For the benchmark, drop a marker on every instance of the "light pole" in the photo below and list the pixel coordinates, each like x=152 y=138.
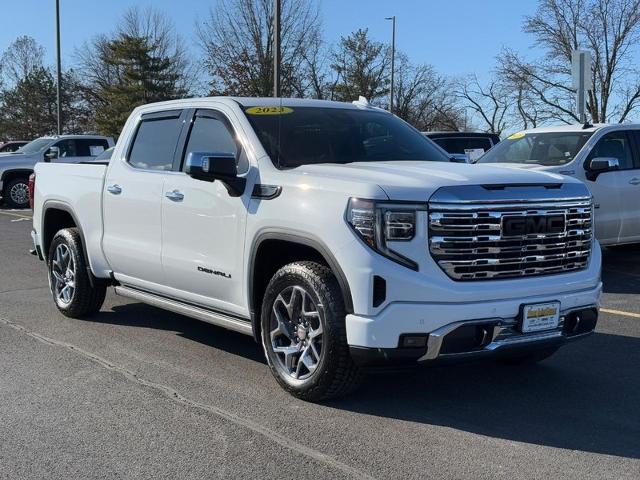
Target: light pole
x=277 y=53
x=59 y=73
x=393 y=58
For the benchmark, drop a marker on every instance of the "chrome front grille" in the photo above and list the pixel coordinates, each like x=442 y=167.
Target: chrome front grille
x=469 y=242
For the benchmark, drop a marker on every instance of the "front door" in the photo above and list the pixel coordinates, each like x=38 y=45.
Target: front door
x=607 y=188
x=203 y=226
x=630 y=195
x=133 y=200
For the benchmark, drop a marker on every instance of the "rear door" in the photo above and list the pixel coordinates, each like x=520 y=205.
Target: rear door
x=203 y=226
x=133 y=199
x=610 y=189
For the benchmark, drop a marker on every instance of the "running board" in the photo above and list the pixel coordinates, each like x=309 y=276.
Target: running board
x=199 y=313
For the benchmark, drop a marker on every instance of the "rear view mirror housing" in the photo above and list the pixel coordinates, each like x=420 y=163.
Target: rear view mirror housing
x=599 y=165
x=212 y=166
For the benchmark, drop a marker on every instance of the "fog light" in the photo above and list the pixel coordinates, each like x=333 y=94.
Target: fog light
x=413 y=341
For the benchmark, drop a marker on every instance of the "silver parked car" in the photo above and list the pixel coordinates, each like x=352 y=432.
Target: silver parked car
x=16 y=167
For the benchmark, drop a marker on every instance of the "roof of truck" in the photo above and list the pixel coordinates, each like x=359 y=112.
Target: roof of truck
x=268 y=101
x=579 y=128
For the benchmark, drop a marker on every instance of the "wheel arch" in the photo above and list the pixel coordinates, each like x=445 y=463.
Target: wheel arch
x=57 y=215
x=298 y=246
x=10 y=174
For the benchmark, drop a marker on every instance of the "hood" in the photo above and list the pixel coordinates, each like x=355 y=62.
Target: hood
x=417 y=181
x=17 y=160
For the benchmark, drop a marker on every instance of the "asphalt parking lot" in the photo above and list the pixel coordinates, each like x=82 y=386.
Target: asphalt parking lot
x=137 y=392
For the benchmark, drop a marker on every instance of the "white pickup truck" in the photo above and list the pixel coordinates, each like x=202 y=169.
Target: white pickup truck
x=336 y=234
x=605 y=157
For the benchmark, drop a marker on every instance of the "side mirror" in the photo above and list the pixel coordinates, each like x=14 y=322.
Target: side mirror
x=209 y=167
x=600 y=165
x=51 y=154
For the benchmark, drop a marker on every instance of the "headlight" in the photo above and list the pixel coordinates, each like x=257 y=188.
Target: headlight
x=377 y=223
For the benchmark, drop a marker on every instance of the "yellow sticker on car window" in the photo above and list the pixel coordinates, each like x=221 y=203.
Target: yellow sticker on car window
x=268 y=110
x=516 y=136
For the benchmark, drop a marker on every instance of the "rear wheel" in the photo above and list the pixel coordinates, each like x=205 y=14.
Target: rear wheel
x=73 y=292
x=529 y=358
x=304 y=335
x=16 y=193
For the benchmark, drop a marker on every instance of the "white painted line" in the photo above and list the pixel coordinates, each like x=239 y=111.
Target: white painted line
x=10 y=214
x=620 y=312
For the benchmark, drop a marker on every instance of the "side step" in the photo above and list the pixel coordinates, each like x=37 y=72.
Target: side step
x=199 y=313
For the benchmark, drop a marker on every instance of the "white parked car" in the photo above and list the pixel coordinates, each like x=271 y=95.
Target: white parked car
x=605 y=157
x=336 y=234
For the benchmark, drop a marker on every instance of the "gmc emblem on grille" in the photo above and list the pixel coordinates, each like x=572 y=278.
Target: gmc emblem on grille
x=517 y=226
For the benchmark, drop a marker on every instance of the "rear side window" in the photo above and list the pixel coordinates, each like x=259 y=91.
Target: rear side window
x=155 y=143
x=459 y=145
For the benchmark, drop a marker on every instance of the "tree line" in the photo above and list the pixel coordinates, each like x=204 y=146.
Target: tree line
x=145 y=60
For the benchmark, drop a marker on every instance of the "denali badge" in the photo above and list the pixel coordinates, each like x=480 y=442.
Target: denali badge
x=214 y=272
x=517 y=226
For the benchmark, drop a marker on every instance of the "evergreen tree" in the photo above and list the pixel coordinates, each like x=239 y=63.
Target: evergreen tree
x=139 y=76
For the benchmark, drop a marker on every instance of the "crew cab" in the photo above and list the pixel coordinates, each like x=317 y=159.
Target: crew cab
x=605 y=157
x=16 y=167
x=335 y=234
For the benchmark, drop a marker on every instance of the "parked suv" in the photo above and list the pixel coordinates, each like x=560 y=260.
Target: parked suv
x=605 y=157
x=464 y=147
x=335 y=234
x=16 y=167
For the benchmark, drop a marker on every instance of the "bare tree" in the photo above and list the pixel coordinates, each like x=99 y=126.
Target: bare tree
x=236 y=38
x=610 y=29
x=492 y=104
x=423 y=98
x=22 y=57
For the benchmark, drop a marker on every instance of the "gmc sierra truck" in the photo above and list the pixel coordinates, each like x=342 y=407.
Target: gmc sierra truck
x=605 y=157
x=335 y=234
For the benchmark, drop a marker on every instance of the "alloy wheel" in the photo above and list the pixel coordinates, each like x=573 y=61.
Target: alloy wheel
x=63 y=273
x=296 y=333
x=19 y=193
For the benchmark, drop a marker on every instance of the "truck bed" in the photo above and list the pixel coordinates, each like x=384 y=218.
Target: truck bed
x=77 y=189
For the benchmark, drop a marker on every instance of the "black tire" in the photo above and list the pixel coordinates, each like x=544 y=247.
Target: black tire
x=335 y=374
x=14 y=193
x=84 y=299
x=528 y=358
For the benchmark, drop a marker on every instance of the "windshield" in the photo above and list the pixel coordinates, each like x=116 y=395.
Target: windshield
x=309 y=135
x=35 y=146
x=549 y=149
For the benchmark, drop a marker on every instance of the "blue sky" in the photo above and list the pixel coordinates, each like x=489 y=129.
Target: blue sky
x=456 y=36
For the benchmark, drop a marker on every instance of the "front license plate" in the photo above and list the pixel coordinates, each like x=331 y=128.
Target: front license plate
x=540 y=316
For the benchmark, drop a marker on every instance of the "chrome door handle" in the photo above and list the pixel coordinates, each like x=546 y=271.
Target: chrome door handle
x=175 y=195
x=635 y=181
x=115 y=189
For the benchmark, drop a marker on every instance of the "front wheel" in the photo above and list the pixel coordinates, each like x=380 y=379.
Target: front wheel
x=16 y=193
x=304 y=334
x=73 y=292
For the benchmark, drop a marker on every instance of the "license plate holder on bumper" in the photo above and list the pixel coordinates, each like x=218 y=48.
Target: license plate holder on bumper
x=539 y=317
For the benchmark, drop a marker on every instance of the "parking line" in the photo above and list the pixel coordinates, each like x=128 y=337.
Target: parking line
x=15 y=215
x=620 y=312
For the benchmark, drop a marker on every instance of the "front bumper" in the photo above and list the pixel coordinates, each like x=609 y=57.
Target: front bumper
x=475 y=339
